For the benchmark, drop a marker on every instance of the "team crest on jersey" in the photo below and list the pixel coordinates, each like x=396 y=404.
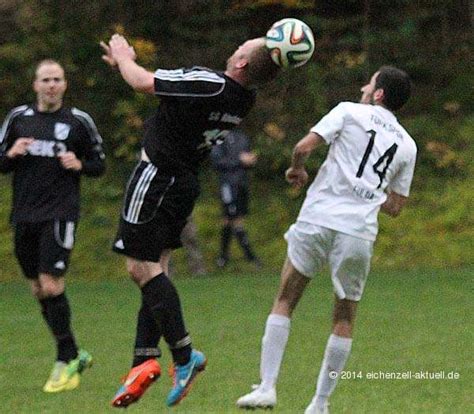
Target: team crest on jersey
x=61 y=131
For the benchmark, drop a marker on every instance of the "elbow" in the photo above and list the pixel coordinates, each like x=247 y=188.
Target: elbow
x=143 y=87
x=94 y=171
x=6 y=165
x=144 y=83
x=100 y=171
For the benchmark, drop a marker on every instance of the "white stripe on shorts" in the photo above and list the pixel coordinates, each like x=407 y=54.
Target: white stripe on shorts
x=68 y=242
x=69 y=235
x=139 y=193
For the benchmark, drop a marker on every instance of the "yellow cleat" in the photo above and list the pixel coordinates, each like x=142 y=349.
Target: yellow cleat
x=61 y=379
x=66 y=376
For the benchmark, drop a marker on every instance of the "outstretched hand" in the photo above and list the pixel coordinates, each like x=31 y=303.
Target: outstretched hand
x=117 y=49
x=107 y=57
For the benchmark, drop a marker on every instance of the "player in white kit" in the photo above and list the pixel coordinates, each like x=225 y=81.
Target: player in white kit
x=369 y=167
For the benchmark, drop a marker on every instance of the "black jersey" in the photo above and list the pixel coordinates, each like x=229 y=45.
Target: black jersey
x=42 y=188
x=197 y=110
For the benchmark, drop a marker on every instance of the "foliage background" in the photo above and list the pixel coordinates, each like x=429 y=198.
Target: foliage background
x=432 y=40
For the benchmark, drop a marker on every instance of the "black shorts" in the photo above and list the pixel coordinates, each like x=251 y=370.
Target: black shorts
x=155 y=211
x=235 y=200
x=44 y=247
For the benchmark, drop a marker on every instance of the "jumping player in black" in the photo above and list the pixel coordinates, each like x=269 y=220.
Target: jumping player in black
x=198 y=107
x=48 y=147
x=231 y=160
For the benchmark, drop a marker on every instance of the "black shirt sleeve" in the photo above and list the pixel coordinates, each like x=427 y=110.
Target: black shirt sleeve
x=194 y=82
x=92 y=155
x=7 y=139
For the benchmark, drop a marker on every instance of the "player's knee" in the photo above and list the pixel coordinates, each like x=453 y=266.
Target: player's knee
x=136 y=271
x=51 y=288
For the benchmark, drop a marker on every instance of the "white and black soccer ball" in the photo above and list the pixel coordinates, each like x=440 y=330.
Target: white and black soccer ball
x=291 y=43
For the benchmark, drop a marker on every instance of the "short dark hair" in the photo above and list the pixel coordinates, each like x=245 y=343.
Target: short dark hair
x=47 y=62
x=261 y=67
x=396 y=86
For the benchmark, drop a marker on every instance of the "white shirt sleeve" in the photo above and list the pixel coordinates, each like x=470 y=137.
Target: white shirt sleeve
x=330 y=126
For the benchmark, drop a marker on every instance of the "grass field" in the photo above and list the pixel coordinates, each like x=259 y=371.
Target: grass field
x=408 y=322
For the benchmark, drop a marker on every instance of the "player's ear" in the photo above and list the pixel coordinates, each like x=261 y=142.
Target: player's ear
x=242 y=63
x=379 y=95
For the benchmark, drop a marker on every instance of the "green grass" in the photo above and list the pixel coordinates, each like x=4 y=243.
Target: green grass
x=408 y=321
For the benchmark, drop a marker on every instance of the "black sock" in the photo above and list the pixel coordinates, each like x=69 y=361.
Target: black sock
x=163 y=301
x=57 y=314
x=241 y=236
x=226 y=236
x=147 y=337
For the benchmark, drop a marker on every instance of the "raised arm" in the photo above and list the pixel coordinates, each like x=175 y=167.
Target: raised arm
x=296 y=175
x=119 y=53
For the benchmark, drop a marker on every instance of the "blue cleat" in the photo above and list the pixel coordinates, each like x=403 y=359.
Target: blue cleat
x=183 y=377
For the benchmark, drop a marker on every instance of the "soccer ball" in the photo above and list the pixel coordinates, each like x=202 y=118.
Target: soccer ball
x=291 y=43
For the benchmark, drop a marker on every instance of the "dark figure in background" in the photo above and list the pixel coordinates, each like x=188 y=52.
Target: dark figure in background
x=231 y=160
x=47 y=147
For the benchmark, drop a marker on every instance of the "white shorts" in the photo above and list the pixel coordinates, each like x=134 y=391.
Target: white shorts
x=310 y=247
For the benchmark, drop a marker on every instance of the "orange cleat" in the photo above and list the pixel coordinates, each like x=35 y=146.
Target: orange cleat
x=137 y=382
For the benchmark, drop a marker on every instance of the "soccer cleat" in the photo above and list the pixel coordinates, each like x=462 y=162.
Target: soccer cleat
x=137 y=382
x=314 y=408
x=59 y=379
x=66 y=376
x=84 y=360
x=258 y=398
x=183 y=377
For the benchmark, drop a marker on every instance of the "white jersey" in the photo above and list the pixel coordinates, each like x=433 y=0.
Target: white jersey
x=370 y=152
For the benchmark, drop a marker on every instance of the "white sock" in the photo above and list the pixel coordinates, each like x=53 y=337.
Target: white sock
x=337 y=352
x=274 y=342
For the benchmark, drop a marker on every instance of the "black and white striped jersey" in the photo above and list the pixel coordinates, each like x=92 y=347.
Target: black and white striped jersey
x=198 y=107
x=42 y=188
